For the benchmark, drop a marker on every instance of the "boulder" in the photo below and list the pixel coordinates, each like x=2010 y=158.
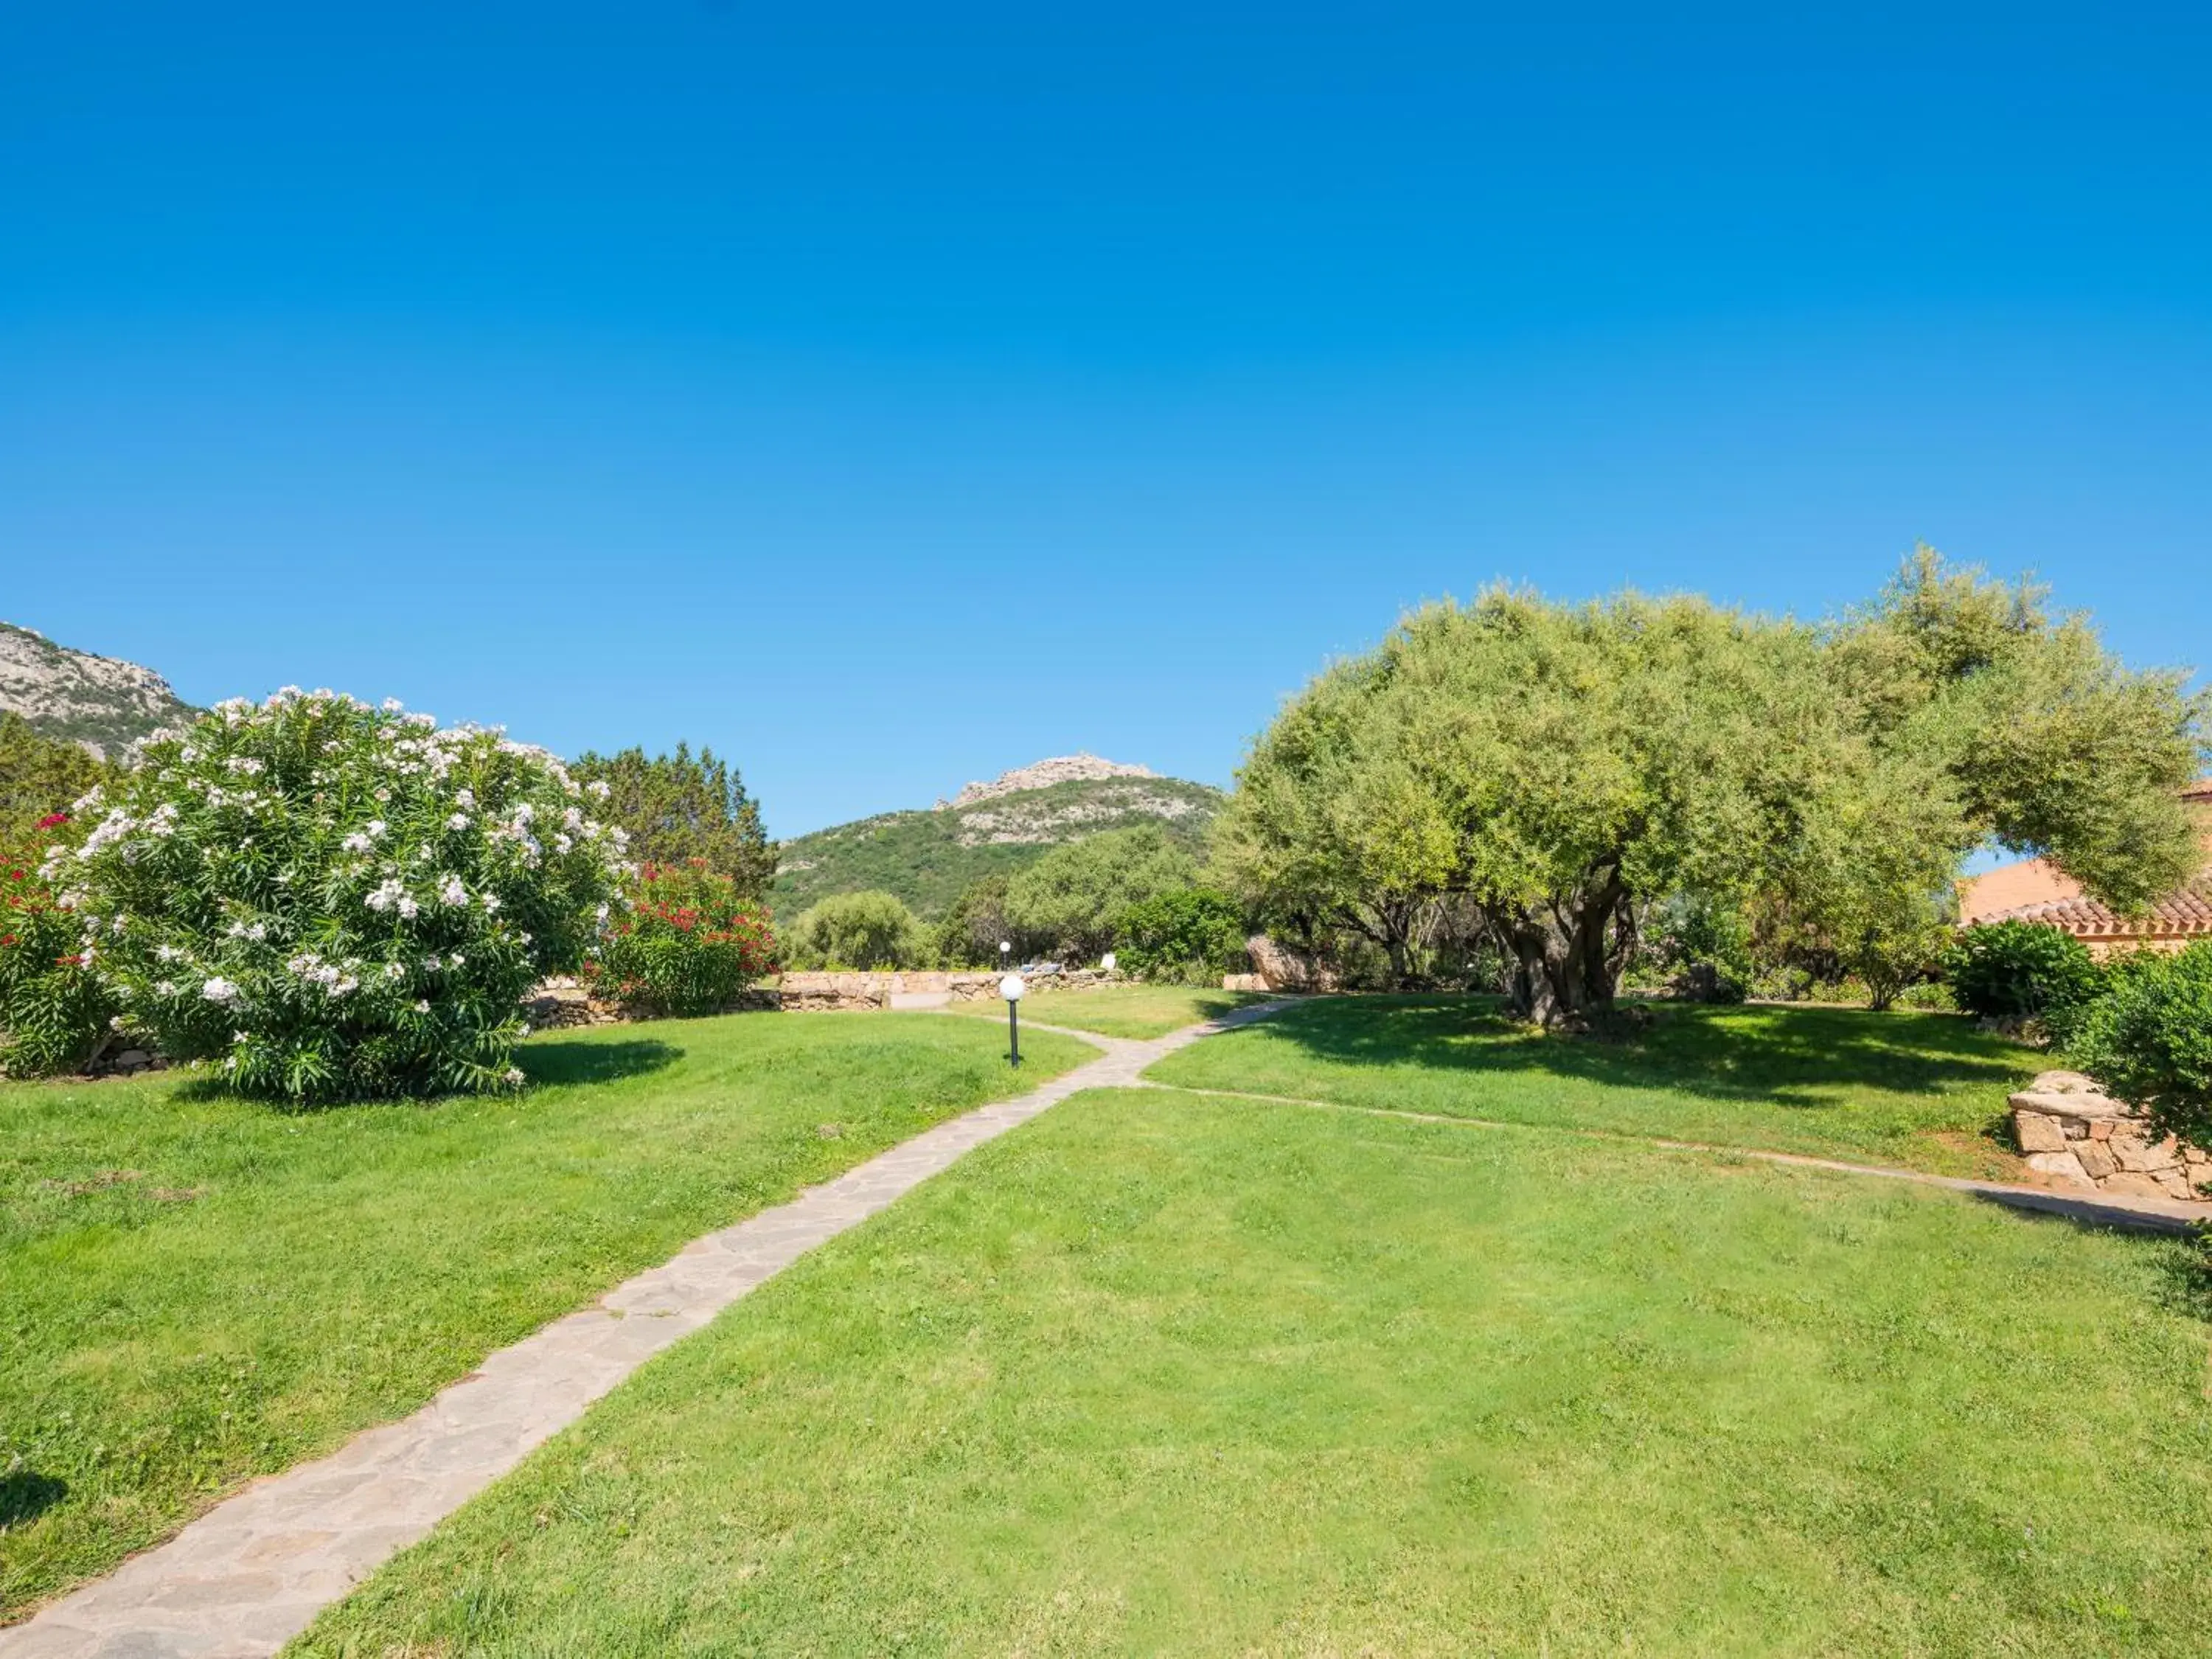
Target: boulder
x=2037 y=1133
x=2062 y=1167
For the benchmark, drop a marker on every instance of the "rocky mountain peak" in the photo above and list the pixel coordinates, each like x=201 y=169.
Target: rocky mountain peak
x=1042 y=774
x=102 y=702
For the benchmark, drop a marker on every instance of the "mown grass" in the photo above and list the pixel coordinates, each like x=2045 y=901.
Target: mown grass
x=1119 y=1011
x=1168 y=1373
x=195 y=1290
x=1920 y=1091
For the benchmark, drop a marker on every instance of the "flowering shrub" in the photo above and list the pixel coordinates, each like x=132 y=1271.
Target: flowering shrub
x=53 y=1010
x=687 y=943
x=337 y=900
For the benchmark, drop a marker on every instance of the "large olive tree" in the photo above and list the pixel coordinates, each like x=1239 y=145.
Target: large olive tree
x=1560 y=767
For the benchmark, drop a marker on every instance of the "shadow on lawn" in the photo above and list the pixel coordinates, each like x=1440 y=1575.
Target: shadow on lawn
x=25 y=1494
x=595 y=1062
x=1788 y=1056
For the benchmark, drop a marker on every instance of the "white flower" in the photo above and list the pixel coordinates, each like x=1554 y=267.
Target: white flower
x=572 y=818
x=377 y=826
x=459 y=821
x=466 y=798
x=513 y=1075
x=219 y=989
x=432 y=964
x=490 y=901
x=168 y=988
x=598 y=789
x=422 y=1006
x=455 y=960
x=356 y=842
x=384 y=794
x=389 y=892
x=393 y=970
x=454 y=892
x=392 y=705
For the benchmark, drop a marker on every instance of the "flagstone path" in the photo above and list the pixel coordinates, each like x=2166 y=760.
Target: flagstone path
x=253 y=1571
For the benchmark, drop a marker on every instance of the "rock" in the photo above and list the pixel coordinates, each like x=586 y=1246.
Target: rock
x=2131 y=1186
x=2096 y=1159
x=133 y=1057
x=2135 y=1153
x=2065 y=1083
x=1281 y=968
x=2060 y=1166
x=1244 y=983
x=2037 y=1133
x=2177 y=1184
x=2100 y=1130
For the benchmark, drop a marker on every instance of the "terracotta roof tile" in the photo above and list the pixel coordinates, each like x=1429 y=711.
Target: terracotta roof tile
x=2188 y=912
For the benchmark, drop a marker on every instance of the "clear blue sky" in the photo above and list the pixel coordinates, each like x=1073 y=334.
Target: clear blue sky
x=888 y=396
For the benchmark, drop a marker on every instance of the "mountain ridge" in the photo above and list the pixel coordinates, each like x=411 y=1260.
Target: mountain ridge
x=927 y=856
x=105 y=703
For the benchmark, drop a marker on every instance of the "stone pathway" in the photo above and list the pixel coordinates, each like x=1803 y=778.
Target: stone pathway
x=2161 y=1215
x=253 y=1571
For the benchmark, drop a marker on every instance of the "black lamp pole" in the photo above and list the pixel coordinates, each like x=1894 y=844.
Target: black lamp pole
x=1014 y=1027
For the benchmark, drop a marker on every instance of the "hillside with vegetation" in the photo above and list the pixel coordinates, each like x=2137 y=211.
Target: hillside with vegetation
x=102 y=702
x=929 y=857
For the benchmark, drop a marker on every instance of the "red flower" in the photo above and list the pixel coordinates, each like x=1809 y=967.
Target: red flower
x=9 y=938
x=53 y=820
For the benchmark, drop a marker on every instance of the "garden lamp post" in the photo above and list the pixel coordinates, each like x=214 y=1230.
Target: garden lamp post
x=1011 y=988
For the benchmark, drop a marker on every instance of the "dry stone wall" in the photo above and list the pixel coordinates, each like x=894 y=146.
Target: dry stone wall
x=2074 y=1134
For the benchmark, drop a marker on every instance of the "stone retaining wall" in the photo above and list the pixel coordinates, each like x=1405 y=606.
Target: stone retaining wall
x=565 y=1002
x=2074 y=1134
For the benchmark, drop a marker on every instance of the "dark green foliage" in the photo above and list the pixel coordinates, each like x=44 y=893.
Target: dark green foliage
x=39 y=776
x=2148 y=1041
x=929 y=859
x=856 y=930
x=678 y=808
x=688 y=942
x=54 y=1011
x=968 y=934
x=1192 y=934
x=2021 y=970
x=1071 y=900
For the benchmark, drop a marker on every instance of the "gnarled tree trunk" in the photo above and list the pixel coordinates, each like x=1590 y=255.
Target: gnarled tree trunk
x=1568 y=951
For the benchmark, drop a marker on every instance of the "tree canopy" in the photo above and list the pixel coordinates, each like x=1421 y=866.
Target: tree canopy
x=678 y=808
x=1563 y=766
x=39 y=776
x=1072 y=899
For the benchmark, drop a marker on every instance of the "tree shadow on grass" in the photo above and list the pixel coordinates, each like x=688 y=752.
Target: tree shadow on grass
x=25 y=1494
x=545 y=1064
x=550 y=1063
x=1787 y=1056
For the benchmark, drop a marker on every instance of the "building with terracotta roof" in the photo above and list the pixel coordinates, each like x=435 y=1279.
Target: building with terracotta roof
x=2035 y=890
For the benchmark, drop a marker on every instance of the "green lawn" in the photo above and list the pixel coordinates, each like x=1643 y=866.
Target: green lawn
x=1923 y=1090
x=1120 y=1011
x=1168 y=1373
x=195 y=1290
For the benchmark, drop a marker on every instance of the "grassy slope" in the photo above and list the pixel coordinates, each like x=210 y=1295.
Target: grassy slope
x=338 y=1269
x=1925 y=1091
x=918 y=855
x=1163 y=1373
x=1119 y=1011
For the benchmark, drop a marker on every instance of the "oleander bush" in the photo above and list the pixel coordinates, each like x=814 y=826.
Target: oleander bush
x=54 y=1010
x=2021 y=970
x=688 y=942
x=2149 y=1040
x=338 y=902
x=1194 y=934
x=865 y=930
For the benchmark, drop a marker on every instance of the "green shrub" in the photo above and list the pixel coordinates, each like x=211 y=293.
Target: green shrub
x=687 y=944
x=1072 y=900
x=339 y=902
x=864 y=930
x=2021 y=970
x=1704 y=946
x=1194 y=934
x=54 y=1010
x=2148 y=1041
